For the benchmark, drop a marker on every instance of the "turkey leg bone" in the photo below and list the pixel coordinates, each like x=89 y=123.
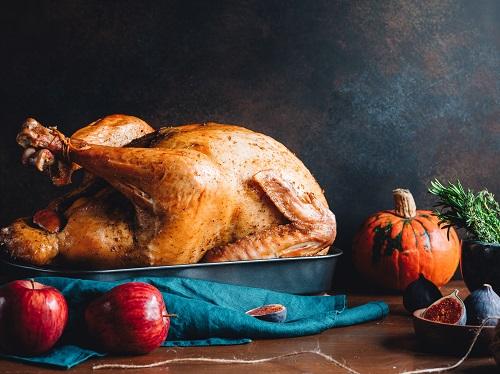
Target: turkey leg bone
x=41 y=143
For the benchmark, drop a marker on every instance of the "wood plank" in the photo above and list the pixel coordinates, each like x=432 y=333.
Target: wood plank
x=387 y=346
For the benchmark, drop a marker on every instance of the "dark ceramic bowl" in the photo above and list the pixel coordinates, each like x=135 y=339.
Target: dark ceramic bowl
x=451 y=339
x=480 y=264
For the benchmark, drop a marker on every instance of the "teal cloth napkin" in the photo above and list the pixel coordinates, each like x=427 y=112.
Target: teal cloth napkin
x=208 y=313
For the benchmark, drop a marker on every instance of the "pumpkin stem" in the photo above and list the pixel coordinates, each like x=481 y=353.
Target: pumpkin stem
x=404 y=203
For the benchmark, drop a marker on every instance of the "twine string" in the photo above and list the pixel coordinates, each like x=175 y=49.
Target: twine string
x=225 y=361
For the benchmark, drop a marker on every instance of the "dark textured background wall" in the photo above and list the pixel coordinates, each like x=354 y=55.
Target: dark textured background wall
x=371 y=95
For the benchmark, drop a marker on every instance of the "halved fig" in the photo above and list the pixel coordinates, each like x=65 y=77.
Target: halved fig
x=269 y=313
x=449 y=309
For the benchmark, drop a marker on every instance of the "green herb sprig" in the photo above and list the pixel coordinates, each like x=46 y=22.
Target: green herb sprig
x=478 y=213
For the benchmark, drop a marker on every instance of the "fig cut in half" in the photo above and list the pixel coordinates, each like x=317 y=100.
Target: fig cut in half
x=269 y=313
x=449 y=309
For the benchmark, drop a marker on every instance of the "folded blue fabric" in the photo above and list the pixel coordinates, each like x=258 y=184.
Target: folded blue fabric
x=208 y=313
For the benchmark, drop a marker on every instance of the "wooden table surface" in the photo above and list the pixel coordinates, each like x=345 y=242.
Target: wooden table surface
x=386 y=346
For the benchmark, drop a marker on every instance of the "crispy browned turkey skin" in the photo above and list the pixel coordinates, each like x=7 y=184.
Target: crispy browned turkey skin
x=176 y=195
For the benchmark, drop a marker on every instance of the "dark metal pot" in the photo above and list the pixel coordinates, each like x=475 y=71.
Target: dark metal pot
x=480 y=264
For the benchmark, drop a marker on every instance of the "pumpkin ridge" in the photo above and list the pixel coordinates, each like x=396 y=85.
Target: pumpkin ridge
x=397 y=266
x=415 y=234
x=417 y=252
x=397 y=261
x=427 y=245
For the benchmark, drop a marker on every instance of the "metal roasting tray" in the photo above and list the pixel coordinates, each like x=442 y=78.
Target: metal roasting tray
x=298 y=275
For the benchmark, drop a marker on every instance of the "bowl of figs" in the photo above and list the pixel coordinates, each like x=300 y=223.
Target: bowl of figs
x=447 y=324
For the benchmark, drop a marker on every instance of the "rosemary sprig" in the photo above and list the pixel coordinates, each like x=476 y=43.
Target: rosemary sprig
x=478 y=213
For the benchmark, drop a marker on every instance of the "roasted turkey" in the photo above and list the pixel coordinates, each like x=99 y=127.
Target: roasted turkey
x=177 y=195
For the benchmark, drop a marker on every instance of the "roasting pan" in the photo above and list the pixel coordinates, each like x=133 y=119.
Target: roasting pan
x=298 y=275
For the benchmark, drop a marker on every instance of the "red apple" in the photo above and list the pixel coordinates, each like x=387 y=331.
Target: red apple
x=128 y=319
x=32 y=317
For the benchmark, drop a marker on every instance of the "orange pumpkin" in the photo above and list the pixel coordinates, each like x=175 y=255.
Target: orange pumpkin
x=393 y=247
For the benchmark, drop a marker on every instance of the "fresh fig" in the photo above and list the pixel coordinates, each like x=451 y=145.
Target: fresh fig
x=481 y=304
x=420 y=294
x=449 y=309
x=269 y=313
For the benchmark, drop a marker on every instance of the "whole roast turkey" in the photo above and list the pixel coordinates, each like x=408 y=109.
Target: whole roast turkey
x=177 y=195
